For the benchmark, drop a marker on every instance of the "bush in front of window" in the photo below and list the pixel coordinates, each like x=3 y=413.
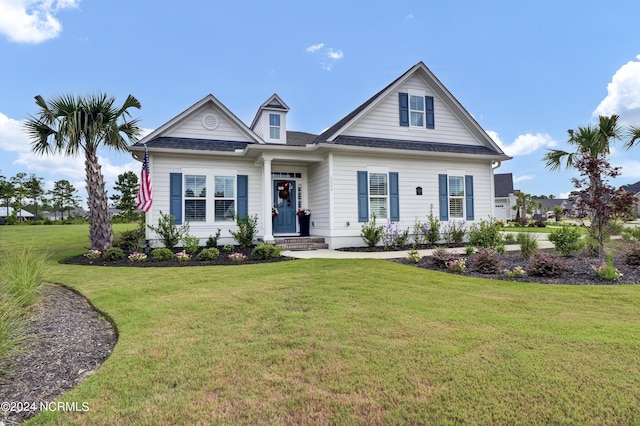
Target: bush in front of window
x=485 y=233
x=190 y=243
x=207 y=254
x=161 y=254
x=169 y=233
x=246 y=232
x=264 y=251
x=371 y=233
x=212 y=241
x=393 y=238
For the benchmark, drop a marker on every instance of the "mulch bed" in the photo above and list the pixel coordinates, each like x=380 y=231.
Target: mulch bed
x=68 y=341
x=223 y=259
x=581 y=270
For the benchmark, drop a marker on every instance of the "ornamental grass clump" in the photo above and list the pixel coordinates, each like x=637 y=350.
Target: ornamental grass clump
x=607 y=271
x=528 y=244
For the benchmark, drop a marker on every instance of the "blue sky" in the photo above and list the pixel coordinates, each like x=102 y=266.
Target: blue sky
x=527 y=71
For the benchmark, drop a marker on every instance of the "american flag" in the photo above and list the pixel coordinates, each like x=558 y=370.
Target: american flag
x=144 y=199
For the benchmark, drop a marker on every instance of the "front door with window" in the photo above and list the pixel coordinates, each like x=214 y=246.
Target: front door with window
x=284 y=200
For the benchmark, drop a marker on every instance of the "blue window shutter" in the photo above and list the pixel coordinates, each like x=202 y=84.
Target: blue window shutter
x=394 y=197
x=443 y=192
x=363 y=197
x=243 y=195
x=175 y=196
x=468 y=187
x=404 y=109
x=428 y=104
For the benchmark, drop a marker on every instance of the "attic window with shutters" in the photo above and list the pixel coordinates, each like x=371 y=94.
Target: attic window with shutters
x=416 y=110
x=210 y=122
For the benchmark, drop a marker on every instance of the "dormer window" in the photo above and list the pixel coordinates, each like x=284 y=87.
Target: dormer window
x=416 y=111
x=274 y=126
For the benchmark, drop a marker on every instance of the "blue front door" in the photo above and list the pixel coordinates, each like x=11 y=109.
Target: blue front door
x=284 y=200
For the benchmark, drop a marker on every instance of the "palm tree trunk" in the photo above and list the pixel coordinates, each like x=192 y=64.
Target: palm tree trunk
x=100 y=230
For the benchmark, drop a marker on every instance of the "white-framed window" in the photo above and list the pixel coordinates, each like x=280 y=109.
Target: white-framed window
x=456 y=197
x=224 y=198
x=195 y=198
x=274 y=126
x=416 y=111
x=379 y=194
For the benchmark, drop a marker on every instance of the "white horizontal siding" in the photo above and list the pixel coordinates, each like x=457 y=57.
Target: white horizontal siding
x=318 y=196
x=412 y=172
x=192 y=127
x=161 y=166
x=383 y=121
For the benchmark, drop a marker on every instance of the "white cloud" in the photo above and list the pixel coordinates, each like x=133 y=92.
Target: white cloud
x=523 y=178
x=329 y=55
x=32 y=21
x=524 y=144
x=409 y=17
x=623 y=94
x=12 y=137
x=315 y=47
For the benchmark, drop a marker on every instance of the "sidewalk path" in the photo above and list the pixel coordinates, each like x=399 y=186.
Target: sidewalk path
x=543 y=243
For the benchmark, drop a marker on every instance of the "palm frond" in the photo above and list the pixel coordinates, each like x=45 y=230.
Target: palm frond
x=634 y=135
x=553 y=159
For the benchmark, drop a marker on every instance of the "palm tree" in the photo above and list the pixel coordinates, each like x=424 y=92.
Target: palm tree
x=590 y=140
x=69 y=125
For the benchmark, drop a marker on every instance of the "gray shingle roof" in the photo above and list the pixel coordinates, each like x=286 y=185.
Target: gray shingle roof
x=634 y=187
x=503 y=183
x=196 y=144
x=414 y=145
x=300 y=138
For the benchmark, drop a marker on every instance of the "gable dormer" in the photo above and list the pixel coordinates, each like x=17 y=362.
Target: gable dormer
x=270 y=122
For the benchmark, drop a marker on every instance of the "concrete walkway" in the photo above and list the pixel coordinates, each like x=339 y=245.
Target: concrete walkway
x=543 y=243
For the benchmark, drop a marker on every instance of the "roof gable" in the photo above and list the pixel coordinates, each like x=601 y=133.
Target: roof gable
x=274 y=103
x=207 y=119
x=418 y=74
x=503 y=183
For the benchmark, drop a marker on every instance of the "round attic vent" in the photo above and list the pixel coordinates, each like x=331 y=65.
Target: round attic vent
x=209 y=121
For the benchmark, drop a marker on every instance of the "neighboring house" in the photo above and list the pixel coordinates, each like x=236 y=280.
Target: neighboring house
x=505 y=199
x=635 y=189
x=549 y=204
x=20 y=214
x=409 y=148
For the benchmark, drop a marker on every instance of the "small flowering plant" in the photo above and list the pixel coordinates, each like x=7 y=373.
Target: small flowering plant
x=274 y=212
x=237 y=257
x=517 y=272
x=303 y=212
x=183 y=256
x=457 y=265
x=93 y=254
x=607 y=271
x=413 y=256
x=137 y=256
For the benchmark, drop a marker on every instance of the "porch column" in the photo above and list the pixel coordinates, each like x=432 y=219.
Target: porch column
x=268 y=201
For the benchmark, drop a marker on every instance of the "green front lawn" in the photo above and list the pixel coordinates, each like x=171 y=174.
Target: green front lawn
x=348 y=342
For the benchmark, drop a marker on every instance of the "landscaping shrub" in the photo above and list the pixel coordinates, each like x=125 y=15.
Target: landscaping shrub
x=543 y=264
x=441 y=257
x=485 y=233
x=413 y=256
x=632 y=254
x=457 y=265
x=420 y=231
x=113 y=254
x=433 y=234
x=246 y=232
x=212 y=241
x=168 y=231
x=486 y=261
x=631 y=234
x=607 y=271
x=161 y=254
x=567 y=240
x=130 y=240
x=517 y=272
x=190 y=243
x=509 y=238
x=393 y=238
x=454 y=232
x=371 y=233
x=264 y=251
x=209 y=253
x=528 y=244
x=228 y=248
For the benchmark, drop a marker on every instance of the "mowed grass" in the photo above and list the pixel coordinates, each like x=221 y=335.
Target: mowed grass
x=350 y=342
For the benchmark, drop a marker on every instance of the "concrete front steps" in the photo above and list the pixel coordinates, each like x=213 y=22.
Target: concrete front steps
x=301 y=243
